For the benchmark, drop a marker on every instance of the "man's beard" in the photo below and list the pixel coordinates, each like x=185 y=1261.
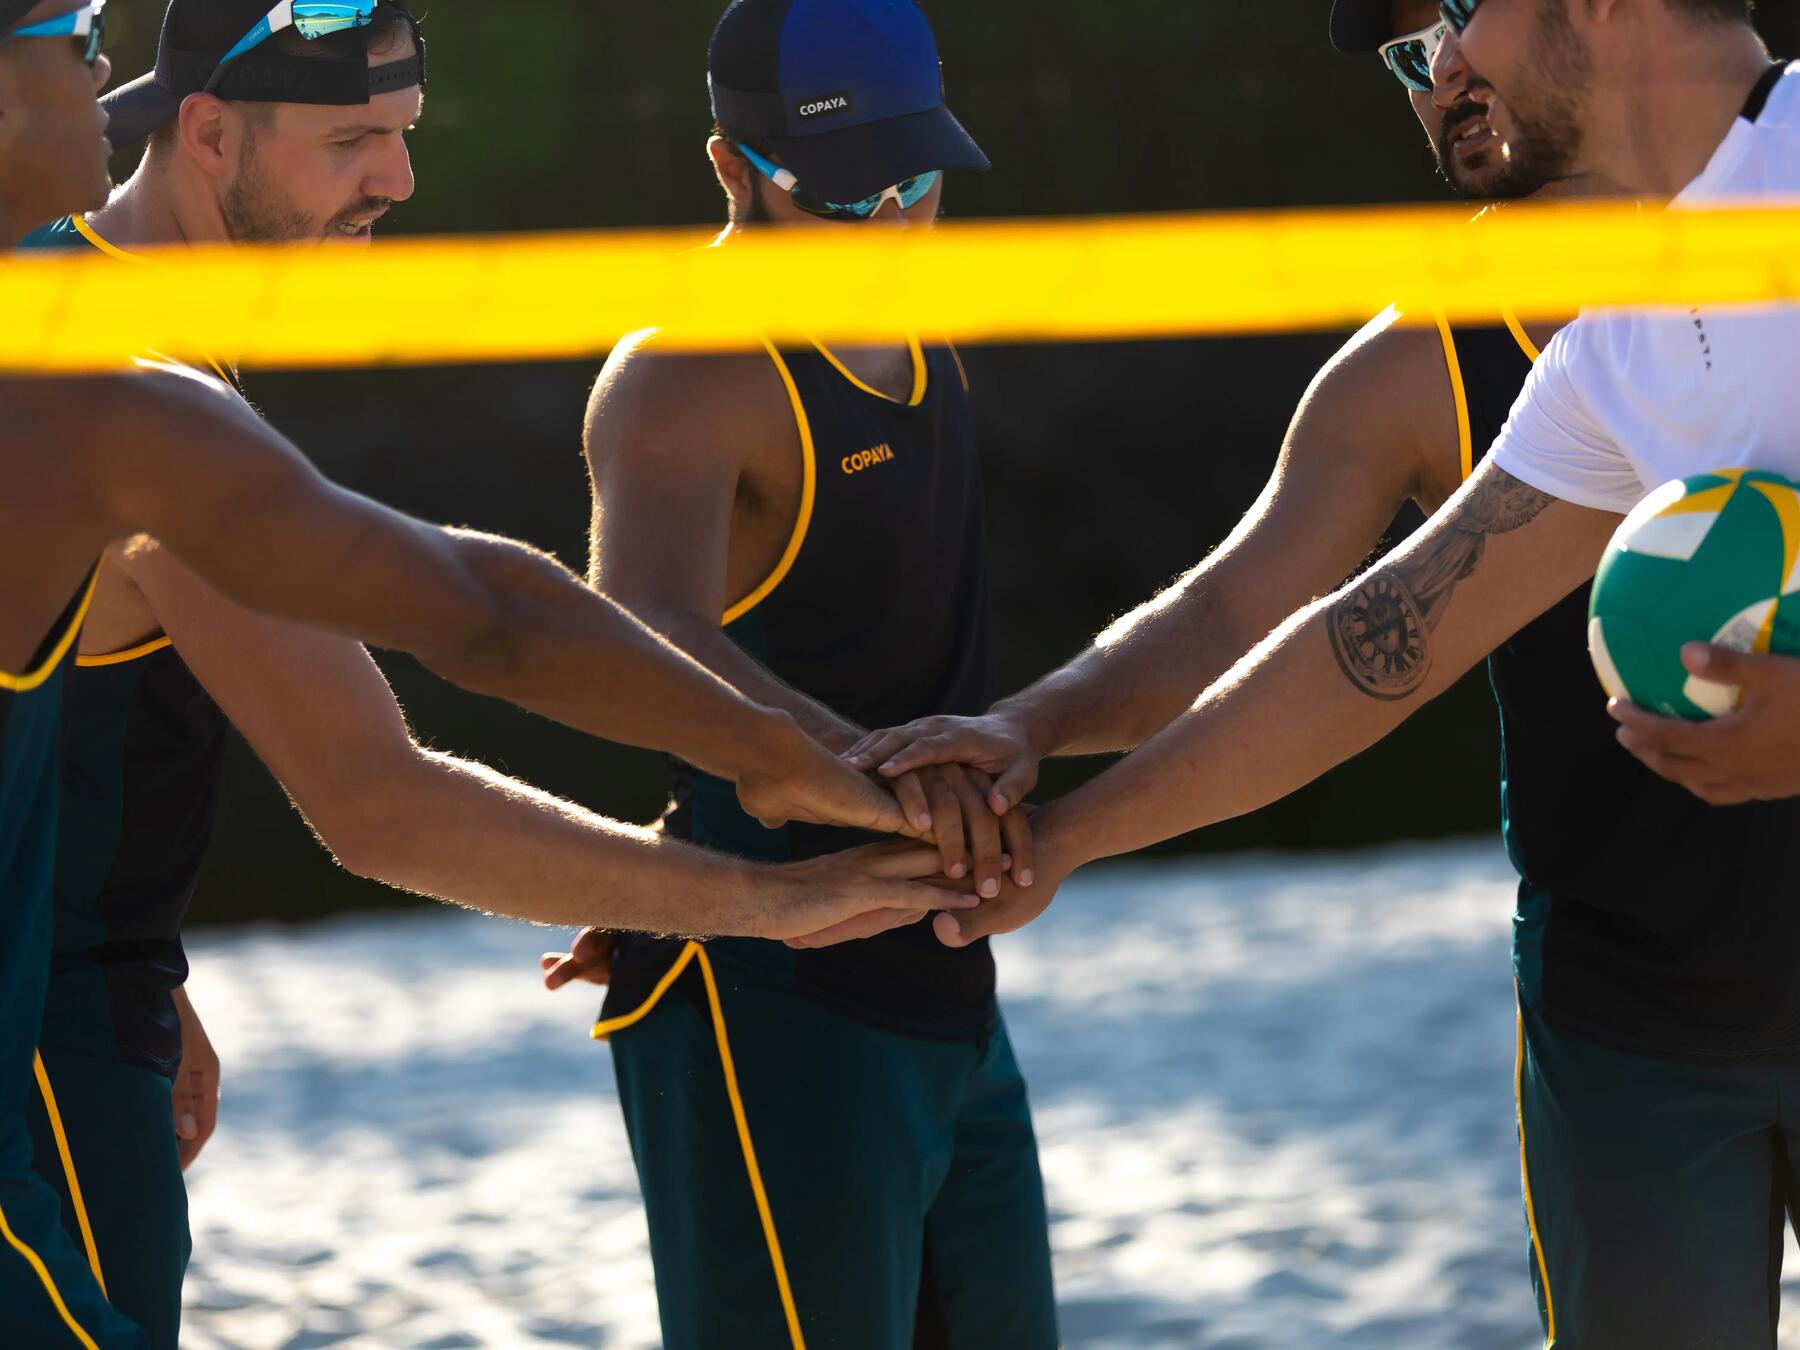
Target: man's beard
x=1549 y=115
x=257 y=211
x=1514 y=177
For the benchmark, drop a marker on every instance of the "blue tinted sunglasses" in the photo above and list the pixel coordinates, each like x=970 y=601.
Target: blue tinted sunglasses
x=86 y=25
x=1410 y=57
x=908 y=192
x=1458 y=13
x=311 y=18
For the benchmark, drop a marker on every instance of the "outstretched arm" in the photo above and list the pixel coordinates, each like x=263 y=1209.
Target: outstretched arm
x=177 y=457
x=1377 y=426
x=318 y=712
x=1331 y=681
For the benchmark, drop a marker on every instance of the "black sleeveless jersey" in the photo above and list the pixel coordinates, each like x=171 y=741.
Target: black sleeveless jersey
x=30 y=732
x=142 y=750
x=143 y=746
x=1647 y=919
x=878 y=609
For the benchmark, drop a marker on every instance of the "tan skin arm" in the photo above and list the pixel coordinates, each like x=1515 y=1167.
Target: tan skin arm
x=682 y=451
x=1328 y=683
x=180 y=458
x=319 y=713
x=1371 y=433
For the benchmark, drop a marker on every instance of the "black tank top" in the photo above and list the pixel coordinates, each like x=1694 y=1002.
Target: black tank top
x=1647 y=919
x=879 y=609
x=143 y=746
x=30 y=741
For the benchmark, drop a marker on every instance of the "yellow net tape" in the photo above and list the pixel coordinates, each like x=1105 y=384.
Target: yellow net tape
x=422 y=301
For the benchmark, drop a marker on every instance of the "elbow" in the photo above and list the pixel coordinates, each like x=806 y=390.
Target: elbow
x=361 y=841
x=364 y=827
x=507 y=587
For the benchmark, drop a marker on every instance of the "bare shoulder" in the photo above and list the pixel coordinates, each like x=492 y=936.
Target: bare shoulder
x=101 y=412
x=1384 y=402
x=651 y=399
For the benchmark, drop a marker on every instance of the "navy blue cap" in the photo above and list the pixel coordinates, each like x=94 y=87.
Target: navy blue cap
x=847 y=93
x=13 y=12
x=1360 y=27
x=197 y=33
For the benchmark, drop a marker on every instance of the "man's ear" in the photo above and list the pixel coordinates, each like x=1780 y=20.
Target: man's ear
x=210 y=132
x=734 y=173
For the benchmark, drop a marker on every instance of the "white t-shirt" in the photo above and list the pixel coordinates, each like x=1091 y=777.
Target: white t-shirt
x=1623 y=401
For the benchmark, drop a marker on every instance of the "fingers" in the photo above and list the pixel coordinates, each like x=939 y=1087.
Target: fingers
x=1014 y=909
x=875 y=747
x=949 y=930
x=886 y=814
x=924 y=752
x=187 y=1132
x=593 y=944
x=910 y=793
x=1015 y=836
x=195 y=1100
x=902 y=862
x=862 y=926
x=1013 y=786
x=1670 y=735
x=561 y=968
x=1721 y=664
x=946 y=823
x=982 y=827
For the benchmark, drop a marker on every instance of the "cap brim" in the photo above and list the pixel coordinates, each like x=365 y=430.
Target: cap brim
x=857 y=162
x=135 y=110
x=1359 y=27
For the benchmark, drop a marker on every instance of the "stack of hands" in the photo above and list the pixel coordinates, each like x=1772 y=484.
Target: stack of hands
x=953 y=789
x=960 y=783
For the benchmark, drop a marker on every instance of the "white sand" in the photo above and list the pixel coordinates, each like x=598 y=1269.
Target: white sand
x=1274 y=1099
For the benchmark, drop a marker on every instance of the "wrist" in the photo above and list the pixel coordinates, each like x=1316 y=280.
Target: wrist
x=1032 y=721
x=1059 y=839
x=747 y=897
x=770 y=748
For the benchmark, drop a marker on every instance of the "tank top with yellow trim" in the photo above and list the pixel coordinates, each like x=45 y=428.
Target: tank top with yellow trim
x=1647 y=919
x=143 y=749
x=31 y=707
x=880 y=610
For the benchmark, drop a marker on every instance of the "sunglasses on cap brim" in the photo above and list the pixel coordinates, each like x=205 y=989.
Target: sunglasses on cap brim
x=312 y=19
x=86 y=25
x=907 y=193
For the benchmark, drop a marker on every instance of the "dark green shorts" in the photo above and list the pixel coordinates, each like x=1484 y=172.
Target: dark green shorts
x=813 y=1181
x=1655 y=1193
x=103 y=1138
x=49 y=1298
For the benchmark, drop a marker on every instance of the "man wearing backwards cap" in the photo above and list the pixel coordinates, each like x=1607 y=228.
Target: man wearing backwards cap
x=861 y=1170
x=88 y=461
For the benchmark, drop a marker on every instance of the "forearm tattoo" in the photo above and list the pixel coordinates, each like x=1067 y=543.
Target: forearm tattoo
x=1381 y=629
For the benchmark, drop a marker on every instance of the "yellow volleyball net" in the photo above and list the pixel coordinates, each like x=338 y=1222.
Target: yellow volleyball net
x=537 y=296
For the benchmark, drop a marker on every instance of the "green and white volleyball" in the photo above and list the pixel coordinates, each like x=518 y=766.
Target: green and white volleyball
x=1713 y=558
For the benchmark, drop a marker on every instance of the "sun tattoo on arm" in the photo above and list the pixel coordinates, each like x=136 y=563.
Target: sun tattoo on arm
x=1381 y=629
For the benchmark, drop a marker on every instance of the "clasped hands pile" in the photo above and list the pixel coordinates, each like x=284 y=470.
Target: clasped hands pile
x=956 y=783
